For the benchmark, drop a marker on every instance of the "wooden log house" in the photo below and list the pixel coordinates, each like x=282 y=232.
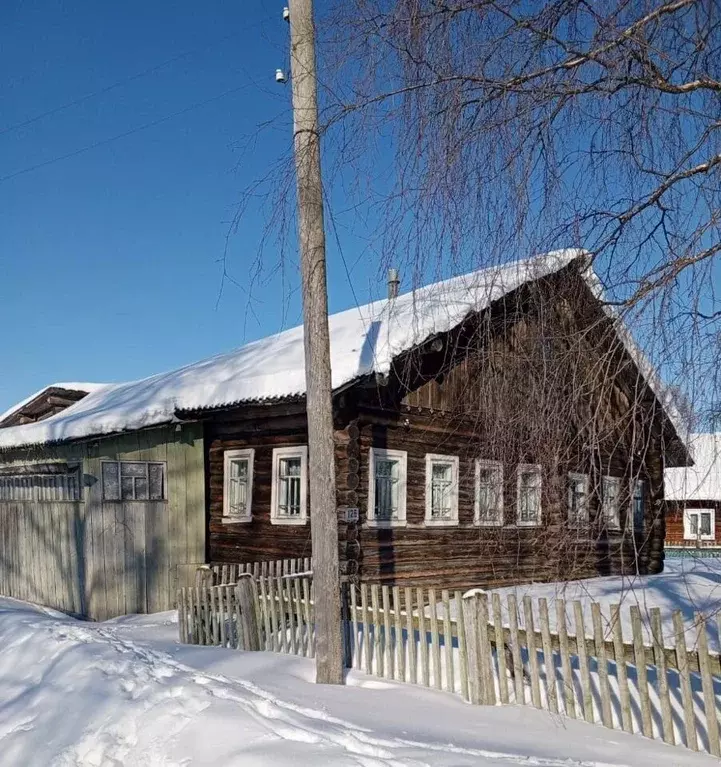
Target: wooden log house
x=495 y=428
x=693 y=499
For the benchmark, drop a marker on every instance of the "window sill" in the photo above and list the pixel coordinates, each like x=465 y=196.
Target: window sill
x=132 y=500
x=441 y=523
x=298 y=522
x=700 y=539
x=527 y=524
x=384 y=525
x=236 y=520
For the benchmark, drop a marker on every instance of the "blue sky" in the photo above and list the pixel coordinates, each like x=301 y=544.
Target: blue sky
x=109 y=260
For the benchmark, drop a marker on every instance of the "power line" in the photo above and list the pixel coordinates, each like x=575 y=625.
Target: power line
x=125 y=134
x=119 y=83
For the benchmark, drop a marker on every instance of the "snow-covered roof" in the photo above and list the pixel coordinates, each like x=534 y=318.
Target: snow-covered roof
x=364 y=340
x=702 y=481
x=71 y=386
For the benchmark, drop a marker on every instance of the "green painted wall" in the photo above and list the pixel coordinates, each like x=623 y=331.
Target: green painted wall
x=106 y=558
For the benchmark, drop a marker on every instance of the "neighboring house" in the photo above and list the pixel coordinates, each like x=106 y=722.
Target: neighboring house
x=47 y=402
x=495 y=428
x=693 y=497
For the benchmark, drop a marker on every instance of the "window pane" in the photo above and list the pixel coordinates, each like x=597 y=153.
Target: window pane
x=127 y=489
x=441 y=490
x=705 y=523
x=238 y=487
x=386 y=488
x=639 y=493
x=693 y=524
x=111 y=487
x=289 y=474
x=141 y=488
x=133 y=469
x=155 y=478
x=610 y=501
x=577 y=499
x=529 y=496
x=488 y=494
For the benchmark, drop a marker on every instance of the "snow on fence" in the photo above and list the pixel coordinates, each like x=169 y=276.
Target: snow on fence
x=629 y=672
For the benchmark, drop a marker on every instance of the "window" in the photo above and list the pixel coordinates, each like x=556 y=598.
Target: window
x=610 y=502
x=578 y=499
x=387 y=488
x=699 y=525
x=529 y=495
x=40 y=487
x=237 y=485
x=488 y=503
x=289 y=493
x=441 y=489
x=638 y=504
x=133 y=481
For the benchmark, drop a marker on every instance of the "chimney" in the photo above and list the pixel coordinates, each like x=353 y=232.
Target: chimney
x=393 y=283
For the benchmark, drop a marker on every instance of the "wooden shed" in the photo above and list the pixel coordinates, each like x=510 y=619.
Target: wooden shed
x=497 y=427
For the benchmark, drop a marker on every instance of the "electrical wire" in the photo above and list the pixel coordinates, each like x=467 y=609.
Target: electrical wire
x=124 y=134
x=124 y=81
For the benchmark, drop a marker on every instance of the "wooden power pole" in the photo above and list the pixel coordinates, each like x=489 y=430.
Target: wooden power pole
x=319 y=404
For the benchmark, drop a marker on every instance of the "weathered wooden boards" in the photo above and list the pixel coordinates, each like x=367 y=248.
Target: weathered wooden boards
x=99 y=558
x=622 y=682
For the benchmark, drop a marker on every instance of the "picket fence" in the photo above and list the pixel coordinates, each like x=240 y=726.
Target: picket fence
x=576 y=662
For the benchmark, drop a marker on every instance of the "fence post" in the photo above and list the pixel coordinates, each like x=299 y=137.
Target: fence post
x=709 y=698
x=247 y=597
x=685 y=678
x=471 y=621
x=345 y=616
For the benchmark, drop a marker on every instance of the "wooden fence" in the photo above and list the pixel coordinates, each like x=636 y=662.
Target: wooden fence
x=576 y=661
x=650 y=682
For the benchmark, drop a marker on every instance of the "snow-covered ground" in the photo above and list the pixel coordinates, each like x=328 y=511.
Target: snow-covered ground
x=691 y=585
x=125 y=693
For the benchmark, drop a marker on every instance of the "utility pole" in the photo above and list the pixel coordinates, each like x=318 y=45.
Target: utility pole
x=319 y=403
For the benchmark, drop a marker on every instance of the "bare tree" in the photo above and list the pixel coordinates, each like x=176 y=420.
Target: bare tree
x=466 y=133
x=478 y=130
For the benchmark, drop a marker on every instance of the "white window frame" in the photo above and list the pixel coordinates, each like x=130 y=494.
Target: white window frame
x=431 y=459
x=583 y=519
x=402 y=457
x=611 y=521
x=497 y=466
x=631 y=509
x=688 y=535
x=247 y=454
x=297 y=451
x=527 y=467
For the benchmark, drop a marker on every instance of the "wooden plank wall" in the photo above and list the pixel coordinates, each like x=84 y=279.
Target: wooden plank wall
x=101 y=559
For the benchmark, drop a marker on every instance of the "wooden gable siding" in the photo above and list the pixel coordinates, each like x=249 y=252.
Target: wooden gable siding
x=101 y=558
x=674 y=523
